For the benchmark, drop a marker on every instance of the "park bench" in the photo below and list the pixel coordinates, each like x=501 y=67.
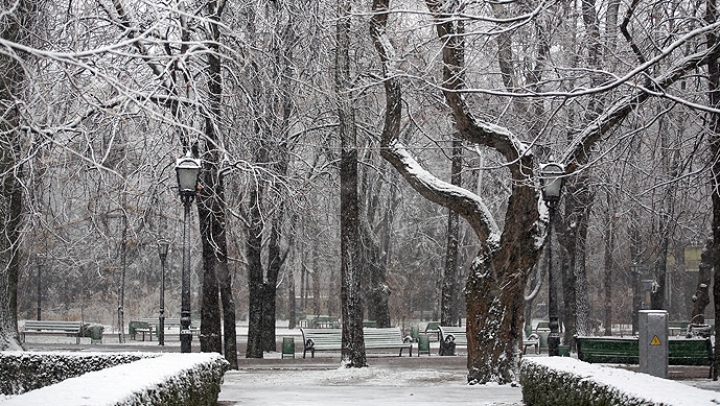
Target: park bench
x=449 y=335
x=170 y=322
x=67 y=328
x=431 y=329
x=458 y=335
x=625 y=350
x=386 y=338
x=533 y=340
x=327 y=339
x=140 y=327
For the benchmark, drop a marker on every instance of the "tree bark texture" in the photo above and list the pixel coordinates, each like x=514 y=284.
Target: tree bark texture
x=714 y=141
x=15 y=26
x=375 y=229
x=353 y=343
x=449 y=312
x=253 y=252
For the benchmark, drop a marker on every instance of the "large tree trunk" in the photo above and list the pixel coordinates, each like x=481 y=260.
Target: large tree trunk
x=353 y=343
x=211 y=207
x=270 y=286
x=714 y=140
x=449 y=312
x=255 y=275
x=11 y=192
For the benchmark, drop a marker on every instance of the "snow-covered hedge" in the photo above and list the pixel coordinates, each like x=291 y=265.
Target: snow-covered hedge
x=561 y=381
x=165 y=380
x=24 y=371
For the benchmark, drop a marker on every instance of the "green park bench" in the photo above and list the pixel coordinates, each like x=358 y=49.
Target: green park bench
x=431 y=329
x=140 y=327
x=66 y=328
x=625 y=350
x=327 y=339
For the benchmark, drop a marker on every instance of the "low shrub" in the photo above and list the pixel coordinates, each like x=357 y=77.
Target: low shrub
x=563 y=381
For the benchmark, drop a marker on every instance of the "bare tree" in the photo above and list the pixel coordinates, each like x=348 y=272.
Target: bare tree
x=494 y=290
x=353 y=343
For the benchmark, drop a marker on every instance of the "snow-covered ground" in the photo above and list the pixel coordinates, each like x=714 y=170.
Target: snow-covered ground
x=388 y=381
x=376 y=386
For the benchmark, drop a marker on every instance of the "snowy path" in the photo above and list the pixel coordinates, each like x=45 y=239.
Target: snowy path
x=377 y=386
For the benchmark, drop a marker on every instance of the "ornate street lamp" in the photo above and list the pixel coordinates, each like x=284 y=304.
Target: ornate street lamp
x=551 y=177
x=188 y=170
x=163 y=246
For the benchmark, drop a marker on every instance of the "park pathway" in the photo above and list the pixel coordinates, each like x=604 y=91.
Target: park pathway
x=390 y=380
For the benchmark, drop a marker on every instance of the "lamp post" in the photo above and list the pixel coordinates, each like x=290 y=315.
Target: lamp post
x=163 y=246
x=187 y=169
x=552 y=182
x=636 y=299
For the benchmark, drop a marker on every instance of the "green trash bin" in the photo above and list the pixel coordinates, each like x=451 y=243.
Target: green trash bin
x=288 y=347
x=96 y=334
x=423 y=344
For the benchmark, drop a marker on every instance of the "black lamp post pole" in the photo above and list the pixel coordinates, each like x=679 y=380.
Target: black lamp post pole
x=187 y=170
x=163 y=250
x=554 y=337
x=39 y=290
x=185 y=334
x=552 y=183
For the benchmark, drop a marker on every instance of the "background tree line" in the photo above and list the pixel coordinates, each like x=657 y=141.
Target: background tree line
x=100 y=97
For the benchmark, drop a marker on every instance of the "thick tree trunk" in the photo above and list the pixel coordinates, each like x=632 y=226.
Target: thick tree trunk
x=572 y=236
x=212 y=235
x=714 y=140
x=494 y=333
x=255 y=276
x=449 y=312
x=229 y=319
x=270 y=286
x=353 y=343
x=12 y=77
x=267 y=329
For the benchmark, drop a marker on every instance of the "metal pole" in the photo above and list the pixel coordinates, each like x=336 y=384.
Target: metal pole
x=636 y=299
x=161 y=326
x=39 y=290
x=554 y=337
x=185 y=335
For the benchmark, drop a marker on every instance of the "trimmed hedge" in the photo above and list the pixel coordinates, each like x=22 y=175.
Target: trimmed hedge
x=24 y=371
x=165 y=380
x=563 y=381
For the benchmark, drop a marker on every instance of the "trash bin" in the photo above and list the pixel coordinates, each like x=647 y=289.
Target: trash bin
x=96 y=334
x=288 y=347
x=423 y=343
